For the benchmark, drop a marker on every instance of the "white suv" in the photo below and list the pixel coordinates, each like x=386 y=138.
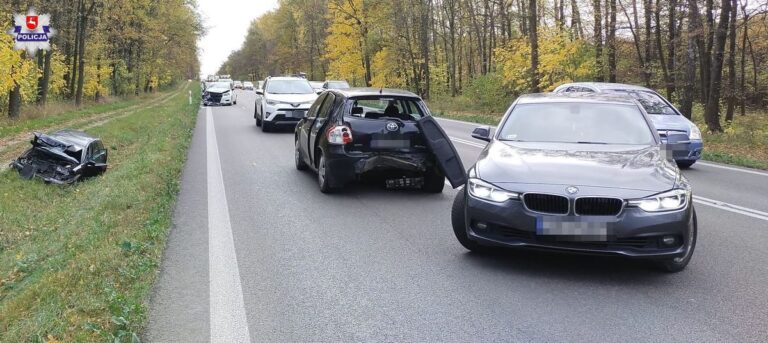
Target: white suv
x=282 y=101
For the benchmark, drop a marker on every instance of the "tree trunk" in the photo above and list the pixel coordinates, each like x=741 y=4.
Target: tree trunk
x=612 y=42
x=671 y=49
x=705 y=52
x=660 y=44
x=647 y=10
x=712 y=109
x=533 y=30
x=743 y=87
x=576 y=26
x=598 y=36
x=694 y=36
x=81 y=57
x=731 y=107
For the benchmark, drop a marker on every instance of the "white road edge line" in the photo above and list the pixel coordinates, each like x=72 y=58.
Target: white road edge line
x=697 y=199
x=743 y=170
x=227 y=309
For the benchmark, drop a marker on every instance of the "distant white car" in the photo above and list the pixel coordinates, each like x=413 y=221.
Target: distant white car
x=219 y=94
x=247 y=85
x=283 y=102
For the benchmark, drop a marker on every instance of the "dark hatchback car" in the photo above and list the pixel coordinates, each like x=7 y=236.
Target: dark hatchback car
x=582 y=173
x=62 y=157
x=380 y=133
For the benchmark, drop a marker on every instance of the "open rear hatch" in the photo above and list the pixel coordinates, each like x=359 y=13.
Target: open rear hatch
x=447 y=158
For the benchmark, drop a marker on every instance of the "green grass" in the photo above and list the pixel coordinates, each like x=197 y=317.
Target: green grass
x=77 y=263
x=744 y=142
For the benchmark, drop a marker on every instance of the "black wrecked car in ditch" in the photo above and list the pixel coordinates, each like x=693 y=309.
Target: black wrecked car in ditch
x=579 y=173
x=62 y=157
x=384 y=134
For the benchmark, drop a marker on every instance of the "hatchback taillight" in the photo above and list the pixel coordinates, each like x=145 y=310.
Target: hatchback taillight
x=339 y=135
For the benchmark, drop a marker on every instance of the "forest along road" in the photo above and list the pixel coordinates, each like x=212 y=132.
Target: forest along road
x=258 y=254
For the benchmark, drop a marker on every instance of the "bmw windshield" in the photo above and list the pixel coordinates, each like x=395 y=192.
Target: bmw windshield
x=577 y=122
x=289 y=87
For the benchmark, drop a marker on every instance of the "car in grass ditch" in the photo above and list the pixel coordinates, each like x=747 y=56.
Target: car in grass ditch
x=385 y=134
x=681 y=135
x=583 y=173
x=62 y=157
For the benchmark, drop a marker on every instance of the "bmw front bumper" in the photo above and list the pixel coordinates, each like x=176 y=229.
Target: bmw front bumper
x=631 y=233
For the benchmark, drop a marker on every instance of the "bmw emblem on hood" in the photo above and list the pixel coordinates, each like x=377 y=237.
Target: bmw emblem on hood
x=392 y=126
x=572 y=189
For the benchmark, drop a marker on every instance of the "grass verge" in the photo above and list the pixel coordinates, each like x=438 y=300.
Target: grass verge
x=744 y=142
x=77 y=263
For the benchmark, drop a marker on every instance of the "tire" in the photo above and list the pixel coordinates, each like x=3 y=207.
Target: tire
x=685 y=164
x=300 y=164
x=677 y=264
x=458 y=221
x=434 y=181
x=322 y=180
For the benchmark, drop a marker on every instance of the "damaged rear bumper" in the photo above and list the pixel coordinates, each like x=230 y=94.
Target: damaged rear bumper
x=349 y=167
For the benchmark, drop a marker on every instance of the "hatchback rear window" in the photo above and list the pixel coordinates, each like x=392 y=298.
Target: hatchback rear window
x=387 y=107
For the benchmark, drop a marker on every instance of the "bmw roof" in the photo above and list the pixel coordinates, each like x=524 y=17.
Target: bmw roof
x=370 y=91
x=575 y=97
x=606 y=85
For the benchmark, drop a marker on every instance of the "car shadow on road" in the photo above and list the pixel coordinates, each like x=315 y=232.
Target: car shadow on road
x=561 y=267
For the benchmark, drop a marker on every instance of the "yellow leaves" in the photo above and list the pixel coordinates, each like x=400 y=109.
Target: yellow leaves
x=560 y=60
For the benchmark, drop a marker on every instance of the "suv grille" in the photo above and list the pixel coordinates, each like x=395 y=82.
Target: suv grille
x=546 y=203
x=598 y=206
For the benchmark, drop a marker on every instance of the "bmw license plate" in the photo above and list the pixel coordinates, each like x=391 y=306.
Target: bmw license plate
x=570 y=228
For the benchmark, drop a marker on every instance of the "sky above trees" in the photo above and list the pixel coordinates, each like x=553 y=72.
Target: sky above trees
x=227 y=23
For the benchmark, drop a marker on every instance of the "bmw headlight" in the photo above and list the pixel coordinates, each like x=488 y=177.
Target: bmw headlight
x=486 y=191
x=695 y=133
x=667 y=201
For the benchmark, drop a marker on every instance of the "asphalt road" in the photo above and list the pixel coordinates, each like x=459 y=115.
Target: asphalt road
x=258 y=254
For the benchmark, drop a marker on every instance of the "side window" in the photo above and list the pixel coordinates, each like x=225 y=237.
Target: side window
x=327 y=106
x=99 y=154
x=312 y=111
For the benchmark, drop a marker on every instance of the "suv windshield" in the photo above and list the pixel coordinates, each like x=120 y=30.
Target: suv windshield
x=338 y=85
x=289 y=87
x=387 y=107
x=588 y=123
x=652 y=102
x=220 y=85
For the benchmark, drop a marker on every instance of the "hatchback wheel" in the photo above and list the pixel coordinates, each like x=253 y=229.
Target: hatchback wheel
x=685 y=164
x=300 y=164
x=322 y=176
x=677 y=264
x=434 y=181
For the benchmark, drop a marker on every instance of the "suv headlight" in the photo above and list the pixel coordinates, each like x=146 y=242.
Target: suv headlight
x=667 y=201
x=273 y=102
x=487 y=191
x=695 y=133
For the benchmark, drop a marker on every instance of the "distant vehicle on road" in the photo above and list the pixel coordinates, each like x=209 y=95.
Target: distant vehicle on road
x=335 y=84
x=231 y=83
x=317 y=86
x=219 y=93
x=237 y=85
x=259 y=84
x=62 y=157
x=282 y=102
x=666 y=118
x=247 y=85
x=348 y=134
x=577 y=173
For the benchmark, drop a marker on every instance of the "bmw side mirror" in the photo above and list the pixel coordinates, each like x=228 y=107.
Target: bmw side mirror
x=482 y=133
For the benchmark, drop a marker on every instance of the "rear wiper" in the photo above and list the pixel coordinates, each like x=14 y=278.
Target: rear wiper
x=583 y=142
